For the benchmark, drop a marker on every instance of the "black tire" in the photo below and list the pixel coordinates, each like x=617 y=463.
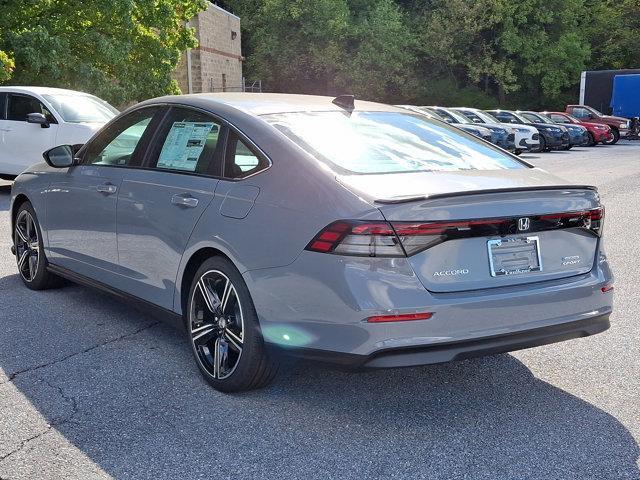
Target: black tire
x=592 y=141
x=30 y=258
x=517 y=151
x=614 y=140
x=224 y=331
x=543 y=144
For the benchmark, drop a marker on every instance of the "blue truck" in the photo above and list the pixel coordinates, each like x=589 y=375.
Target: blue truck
x=625 y=96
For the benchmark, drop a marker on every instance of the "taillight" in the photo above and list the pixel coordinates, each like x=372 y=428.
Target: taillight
x=368 y=239
x=591 y=219
x=400 y=239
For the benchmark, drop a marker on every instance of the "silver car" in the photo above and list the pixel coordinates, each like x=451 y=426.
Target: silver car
x=337 y=230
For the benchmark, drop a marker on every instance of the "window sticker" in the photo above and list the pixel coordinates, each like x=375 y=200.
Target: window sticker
x=184 y=145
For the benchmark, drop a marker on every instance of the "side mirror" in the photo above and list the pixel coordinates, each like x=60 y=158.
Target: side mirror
x=38 y=118
x=60 y=157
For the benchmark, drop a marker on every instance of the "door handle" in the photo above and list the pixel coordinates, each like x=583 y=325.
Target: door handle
x=107 y=188
x=184 y=200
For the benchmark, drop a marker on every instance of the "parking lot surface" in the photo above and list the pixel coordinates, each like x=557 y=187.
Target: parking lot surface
x=91 y=388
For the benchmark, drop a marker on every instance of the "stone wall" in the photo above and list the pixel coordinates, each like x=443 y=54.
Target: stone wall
x=216 y=64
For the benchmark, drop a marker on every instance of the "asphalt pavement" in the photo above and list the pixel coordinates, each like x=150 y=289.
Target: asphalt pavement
x=92 y=388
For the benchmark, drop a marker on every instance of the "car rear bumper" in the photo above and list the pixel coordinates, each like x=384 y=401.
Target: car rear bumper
x=322 y=302
x=450 y=351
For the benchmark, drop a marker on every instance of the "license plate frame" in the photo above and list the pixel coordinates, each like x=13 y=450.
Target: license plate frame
x=514 y=256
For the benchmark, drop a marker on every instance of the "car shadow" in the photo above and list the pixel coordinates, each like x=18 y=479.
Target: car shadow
x=124 y=398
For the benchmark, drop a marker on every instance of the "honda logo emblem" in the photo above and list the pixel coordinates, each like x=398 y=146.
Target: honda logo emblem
x=524 y=224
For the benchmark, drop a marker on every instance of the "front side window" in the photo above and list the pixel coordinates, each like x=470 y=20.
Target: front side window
x=22 y=105
x=74 y=108
x=388 y=142
x=581 y=113
x=189 y=143
x=559 y=118
x=119 y=144
x=3 y=100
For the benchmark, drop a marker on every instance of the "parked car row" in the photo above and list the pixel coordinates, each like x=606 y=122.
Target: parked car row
x=35 y=119
x=521 y=131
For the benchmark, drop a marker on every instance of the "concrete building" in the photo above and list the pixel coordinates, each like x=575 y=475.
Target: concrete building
x=216 y=64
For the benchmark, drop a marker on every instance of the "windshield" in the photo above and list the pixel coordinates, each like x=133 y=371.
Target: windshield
x=455 y=116
x=81 y=108
x=600 y=114
x=388 y=142
x=521 y=118
x=482 y=116
x=536 y=117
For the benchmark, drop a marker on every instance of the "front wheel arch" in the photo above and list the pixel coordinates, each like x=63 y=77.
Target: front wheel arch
x=17 y=203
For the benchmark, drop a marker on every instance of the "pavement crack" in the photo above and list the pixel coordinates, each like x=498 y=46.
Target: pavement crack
x=15 y=374
x=71 y=400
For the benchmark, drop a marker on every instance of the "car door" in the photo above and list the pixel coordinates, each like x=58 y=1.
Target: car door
x=22 y=143
x=158 y=206
x=81 y=203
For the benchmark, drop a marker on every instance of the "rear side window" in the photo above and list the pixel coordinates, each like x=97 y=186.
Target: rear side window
x=22 y=105
x=189 y=141
x=240 y=160
x=388 y=142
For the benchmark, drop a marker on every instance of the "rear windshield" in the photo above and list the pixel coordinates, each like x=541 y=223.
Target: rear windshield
x=388 y=142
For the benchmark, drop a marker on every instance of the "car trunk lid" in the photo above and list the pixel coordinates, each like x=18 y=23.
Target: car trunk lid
x=488 y=229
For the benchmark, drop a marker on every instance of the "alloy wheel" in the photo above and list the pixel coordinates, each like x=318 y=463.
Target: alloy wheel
x=216 y=324
x=27 y=245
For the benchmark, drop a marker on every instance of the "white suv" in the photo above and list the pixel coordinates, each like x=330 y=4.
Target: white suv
x=35 y=119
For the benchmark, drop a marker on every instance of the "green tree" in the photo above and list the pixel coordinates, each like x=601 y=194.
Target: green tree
x=6 y=66
x=121 y=50
x=504 y=46
x=328 y=46
x=613 y=26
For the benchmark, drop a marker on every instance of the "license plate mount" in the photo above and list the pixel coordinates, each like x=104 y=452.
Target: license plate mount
x=514 y=256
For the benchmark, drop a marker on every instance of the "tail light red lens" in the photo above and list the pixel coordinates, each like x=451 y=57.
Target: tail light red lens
x=400 y=239
x=367 y=239
x=400 y=318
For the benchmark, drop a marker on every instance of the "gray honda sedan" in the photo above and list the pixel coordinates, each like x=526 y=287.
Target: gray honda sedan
x=337 y=230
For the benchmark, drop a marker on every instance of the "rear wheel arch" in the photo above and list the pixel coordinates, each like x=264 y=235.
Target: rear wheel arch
x=192 y=266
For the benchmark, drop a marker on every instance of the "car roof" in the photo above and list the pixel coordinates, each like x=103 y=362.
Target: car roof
x=40 y=90
x=270 y=103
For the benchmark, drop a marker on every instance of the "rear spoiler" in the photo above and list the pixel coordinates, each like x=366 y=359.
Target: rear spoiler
x=417 y=198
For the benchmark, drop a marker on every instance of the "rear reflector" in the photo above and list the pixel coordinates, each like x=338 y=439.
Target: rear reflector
x=400 y=318
x=607 y=288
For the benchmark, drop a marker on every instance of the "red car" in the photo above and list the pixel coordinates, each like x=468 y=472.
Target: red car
x=619 y=125
x=598 y=132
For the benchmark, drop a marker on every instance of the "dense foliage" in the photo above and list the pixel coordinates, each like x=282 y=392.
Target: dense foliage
x=525 y=53
x=121 y=50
